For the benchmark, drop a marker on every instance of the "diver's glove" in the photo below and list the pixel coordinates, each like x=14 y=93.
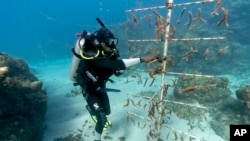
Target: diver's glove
x=150 y=58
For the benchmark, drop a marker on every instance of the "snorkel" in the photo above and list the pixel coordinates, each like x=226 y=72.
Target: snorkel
x=100 y=22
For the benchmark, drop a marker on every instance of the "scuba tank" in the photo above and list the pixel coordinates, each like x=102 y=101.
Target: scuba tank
x=75 y=62
x=87 y=47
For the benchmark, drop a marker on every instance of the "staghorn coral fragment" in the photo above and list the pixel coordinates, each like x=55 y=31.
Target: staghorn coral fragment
x=224 y=18
x=216 y=9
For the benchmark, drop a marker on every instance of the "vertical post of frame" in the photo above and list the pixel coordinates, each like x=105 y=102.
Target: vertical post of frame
x=169 y=6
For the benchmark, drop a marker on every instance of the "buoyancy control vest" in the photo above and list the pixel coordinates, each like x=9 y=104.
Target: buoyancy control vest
x=87 y=47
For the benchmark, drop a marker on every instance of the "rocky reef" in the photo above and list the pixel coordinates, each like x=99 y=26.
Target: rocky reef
x=213 y=93
x=243 y=96
x=23 y=102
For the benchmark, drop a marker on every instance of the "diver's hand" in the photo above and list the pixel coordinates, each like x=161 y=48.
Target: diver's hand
x=150 y=58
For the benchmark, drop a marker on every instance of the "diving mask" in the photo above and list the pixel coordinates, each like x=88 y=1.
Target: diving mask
x=111 y=42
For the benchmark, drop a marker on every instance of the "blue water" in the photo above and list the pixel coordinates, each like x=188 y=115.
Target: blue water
x=38 y=30
x=44 y=30
x=33 y=29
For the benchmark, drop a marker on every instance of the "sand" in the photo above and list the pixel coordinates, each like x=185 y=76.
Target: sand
x=66 y=112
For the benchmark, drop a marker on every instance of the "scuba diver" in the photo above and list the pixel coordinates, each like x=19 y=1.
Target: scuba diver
x=94 y=61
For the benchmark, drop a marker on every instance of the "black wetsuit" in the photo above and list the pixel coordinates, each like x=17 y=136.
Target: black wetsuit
x=101 y=69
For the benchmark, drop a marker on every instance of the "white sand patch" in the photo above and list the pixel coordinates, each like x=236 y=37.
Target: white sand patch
x=67 y=115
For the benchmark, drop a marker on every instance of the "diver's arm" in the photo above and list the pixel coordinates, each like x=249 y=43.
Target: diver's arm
x=131 y=62
x=121 y=64
x=115 y=64
x=145 y=59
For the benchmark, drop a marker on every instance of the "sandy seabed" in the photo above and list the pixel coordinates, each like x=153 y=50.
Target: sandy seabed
x=66 y=112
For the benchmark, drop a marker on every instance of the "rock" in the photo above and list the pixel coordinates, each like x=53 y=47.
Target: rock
x=3 y=70
x=36 y=85
x=213 y=93
x=243 y=97
x=23 y=102
x=204 y=90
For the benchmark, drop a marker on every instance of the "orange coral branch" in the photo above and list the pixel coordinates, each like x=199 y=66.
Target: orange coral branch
x=224 y=18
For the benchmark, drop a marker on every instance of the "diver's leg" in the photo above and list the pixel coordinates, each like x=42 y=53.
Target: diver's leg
x=104 y=100
x=96 y=111
x=101 y=119
x=89 y=95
